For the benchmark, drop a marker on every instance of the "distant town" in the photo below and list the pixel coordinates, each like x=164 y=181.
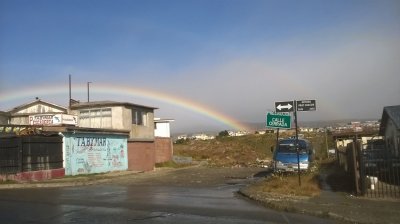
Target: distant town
x=335 y=127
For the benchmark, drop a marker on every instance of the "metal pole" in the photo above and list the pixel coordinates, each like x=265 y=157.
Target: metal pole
x=276 y=146
x=297 y=141
x=88 y=91
x=326 y=143
x=69 y=91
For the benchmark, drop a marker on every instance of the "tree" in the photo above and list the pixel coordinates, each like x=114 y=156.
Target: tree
x=223 y=133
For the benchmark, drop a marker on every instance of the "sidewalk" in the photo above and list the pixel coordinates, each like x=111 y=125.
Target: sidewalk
x=71 y=181
x=340 y=206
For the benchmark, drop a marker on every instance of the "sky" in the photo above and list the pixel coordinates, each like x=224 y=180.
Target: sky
x=234 y=58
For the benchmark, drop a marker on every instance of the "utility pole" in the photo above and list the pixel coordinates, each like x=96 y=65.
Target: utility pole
x=69 y=91
x=297 y=140
x=88 y=91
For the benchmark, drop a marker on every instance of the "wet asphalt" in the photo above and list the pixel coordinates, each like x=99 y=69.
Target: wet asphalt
x=144 y=201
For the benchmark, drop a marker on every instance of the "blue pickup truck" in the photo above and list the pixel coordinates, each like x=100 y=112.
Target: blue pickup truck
x=285 y=155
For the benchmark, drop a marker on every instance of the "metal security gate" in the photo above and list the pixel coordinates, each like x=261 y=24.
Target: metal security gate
x=374 y=171
x=30 y=153
x=10 y=155
x=380 y=176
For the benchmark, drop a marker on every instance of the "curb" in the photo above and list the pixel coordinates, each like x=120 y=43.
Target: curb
x=285 y=207
x=70 y=182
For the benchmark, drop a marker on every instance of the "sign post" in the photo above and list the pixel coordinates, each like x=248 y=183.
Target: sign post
x=277 y=120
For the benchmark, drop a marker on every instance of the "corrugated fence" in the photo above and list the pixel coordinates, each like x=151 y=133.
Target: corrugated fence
x=30 y=153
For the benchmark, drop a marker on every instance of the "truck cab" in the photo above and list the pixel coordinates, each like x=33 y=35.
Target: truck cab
x=285 y=155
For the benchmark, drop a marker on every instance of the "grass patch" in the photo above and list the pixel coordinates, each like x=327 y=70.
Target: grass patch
x=8 y=182
x=288 y=184
x=171 y=164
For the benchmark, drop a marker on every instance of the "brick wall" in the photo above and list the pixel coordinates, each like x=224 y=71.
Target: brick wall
x=39 y=175
x=164 y=149
x=141 y=156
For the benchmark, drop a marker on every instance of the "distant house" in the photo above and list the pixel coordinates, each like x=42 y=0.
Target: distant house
x=390 y=129
x=203 y=137
x=237 y=133
x=20 y=115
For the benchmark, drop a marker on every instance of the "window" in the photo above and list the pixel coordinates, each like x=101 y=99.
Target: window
x=139 y=117
x=95 y=118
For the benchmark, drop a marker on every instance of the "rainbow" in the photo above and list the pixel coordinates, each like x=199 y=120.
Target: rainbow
x=50 y=90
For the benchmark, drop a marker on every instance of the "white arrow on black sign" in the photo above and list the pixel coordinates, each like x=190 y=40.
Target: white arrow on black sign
x=286 y=106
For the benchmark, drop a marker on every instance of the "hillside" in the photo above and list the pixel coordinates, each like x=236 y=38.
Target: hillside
x=243 y=151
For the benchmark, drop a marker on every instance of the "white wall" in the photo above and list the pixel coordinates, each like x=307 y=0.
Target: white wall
x=162 y=130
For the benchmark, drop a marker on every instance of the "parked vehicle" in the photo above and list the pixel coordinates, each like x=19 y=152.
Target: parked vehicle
x=285 y=155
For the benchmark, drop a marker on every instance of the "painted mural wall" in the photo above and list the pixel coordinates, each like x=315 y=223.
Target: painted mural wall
x=94 y=153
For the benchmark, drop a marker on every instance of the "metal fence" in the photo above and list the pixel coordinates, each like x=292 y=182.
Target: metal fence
x=375 y=172
x=30 y=153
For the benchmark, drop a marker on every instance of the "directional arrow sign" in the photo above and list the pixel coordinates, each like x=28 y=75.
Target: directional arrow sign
x=276 y=120
x=286 y=106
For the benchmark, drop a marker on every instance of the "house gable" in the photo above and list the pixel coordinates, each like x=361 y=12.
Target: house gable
x=37 y=107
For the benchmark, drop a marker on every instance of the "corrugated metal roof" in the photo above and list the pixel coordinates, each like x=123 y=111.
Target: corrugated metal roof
x=392 y=112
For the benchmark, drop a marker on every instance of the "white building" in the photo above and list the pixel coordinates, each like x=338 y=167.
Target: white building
x=162 y=127
x=203 y=137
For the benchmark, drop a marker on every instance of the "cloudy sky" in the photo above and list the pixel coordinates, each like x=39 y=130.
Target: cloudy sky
x=232 y=57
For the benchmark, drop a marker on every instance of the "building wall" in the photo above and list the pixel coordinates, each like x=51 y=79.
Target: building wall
x=3 y=118
x=20 y=120
x=21 y=117
x=162 y=129
x=40 y=108
x=86 y=153
x=163 y=149
x=392 y=138
x=343 y=143
x=121 y=119
x=144 y=132
x=141 y=156
x=117 y=122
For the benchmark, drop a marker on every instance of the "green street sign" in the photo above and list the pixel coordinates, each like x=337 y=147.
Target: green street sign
x=276 y=120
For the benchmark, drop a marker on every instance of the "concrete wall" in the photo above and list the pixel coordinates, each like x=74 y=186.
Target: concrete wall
x=39 y=175
x=118 y=118
x=86 y=153
x=4 y=118
x=143 y=132
x=163 y=149
x=121 y=118
x=141 y=156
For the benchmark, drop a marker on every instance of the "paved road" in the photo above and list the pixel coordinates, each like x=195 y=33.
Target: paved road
x=141 y=201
